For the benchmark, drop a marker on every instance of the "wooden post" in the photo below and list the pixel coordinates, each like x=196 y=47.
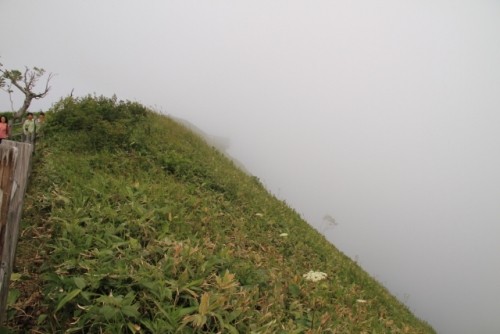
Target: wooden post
x=15 y=168
x=7 y=163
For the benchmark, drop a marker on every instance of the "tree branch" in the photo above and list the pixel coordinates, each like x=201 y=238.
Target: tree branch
x=26 y=83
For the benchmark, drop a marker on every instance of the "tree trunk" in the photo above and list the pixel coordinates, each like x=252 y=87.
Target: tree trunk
x=24 y=108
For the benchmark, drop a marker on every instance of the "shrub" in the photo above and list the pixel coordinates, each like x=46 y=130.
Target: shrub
x=96 y=123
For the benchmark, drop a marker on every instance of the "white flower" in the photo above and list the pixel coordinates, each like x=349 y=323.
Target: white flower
x=315 y=276
x=361 y=301
x=284 y=235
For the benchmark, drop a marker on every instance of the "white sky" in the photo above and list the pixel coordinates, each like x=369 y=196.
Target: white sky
x=384 y=115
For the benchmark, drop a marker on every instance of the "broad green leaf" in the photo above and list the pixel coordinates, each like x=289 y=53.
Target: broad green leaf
x=131 y=311
x=41 y=318
x=109 y=312
x=67 y=298
x=12 y=296
x=79 y=282
x=294 y=290
x=231 y=329
x=186 y=310
x=15 y=277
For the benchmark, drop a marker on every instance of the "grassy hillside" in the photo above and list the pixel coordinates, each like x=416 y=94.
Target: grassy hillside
x=133 y=224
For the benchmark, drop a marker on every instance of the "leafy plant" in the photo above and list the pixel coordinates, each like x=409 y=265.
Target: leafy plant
x=141 y=227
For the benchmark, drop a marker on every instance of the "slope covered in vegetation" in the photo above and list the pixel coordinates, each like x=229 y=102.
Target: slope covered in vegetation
x=133 y=224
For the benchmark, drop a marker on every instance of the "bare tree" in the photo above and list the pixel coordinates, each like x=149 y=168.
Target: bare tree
x=25 y=82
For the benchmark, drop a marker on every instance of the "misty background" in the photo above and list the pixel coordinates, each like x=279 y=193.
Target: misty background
x=383 y=116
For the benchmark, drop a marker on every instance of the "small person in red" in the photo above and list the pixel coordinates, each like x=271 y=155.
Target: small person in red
x=4 y=128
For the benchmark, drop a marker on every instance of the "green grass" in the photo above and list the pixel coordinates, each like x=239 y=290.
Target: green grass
x=133 y=224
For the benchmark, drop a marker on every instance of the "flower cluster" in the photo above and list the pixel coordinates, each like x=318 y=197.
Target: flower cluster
x=315 y=276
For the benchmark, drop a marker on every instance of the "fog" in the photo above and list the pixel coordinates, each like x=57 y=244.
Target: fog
x=383 y=115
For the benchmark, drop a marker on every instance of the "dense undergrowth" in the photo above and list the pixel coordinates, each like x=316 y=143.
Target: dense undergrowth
x=133 y=224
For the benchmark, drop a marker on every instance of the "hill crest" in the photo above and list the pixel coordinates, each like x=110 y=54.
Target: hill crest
x=142 y=227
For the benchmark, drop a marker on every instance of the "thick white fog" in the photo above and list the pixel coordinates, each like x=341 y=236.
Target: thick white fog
x=384 y=115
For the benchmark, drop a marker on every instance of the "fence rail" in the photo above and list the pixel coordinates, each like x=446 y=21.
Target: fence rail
x=15 y=168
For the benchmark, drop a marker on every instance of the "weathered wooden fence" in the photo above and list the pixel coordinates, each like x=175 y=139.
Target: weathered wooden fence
x=15 y=168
